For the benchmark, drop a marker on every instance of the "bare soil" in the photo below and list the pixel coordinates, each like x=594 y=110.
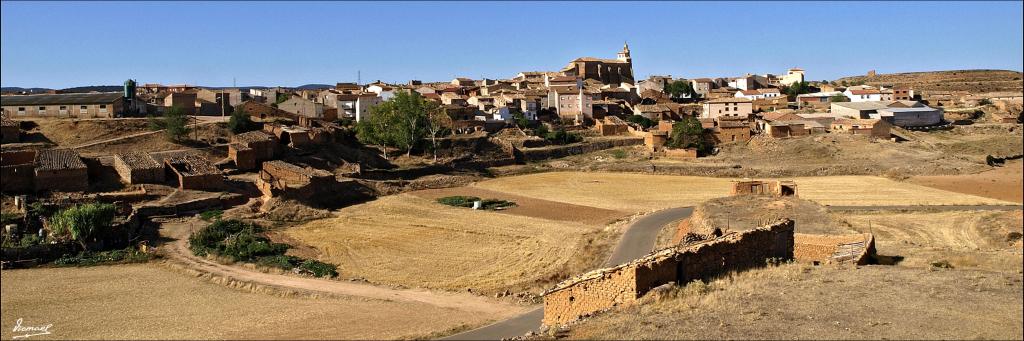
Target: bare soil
x=149 y=301
x=1003 y=183
x=532 y=207
x=973 y=81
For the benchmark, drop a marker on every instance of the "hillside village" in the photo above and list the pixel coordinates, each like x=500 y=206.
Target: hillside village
x=489 y=200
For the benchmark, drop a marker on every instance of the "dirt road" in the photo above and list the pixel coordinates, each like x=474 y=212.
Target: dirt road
x=178 y=250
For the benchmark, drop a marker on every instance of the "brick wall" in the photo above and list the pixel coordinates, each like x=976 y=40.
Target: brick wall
x=137 y=168
x=606 y=288
x=830 y=249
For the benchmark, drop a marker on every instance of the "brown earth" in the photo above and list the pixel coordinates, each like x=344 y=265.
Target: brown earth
x=1003 y=183
x=149 y=301
x=532 y=207
x=797 y=301
x=974 y=81
x=70 y=133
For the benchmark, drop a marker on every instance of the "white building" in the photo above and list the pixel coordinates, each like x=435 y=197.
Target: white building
x=792 y=76
x=758 y=94
x=383 y=91
x=863 y=94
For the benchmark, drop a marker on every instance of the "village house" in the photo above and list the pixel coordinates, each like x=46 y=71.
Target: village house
x=60 y=170
x=863 y=94
x=571 y=103
x=462 y=81
x=78 y=105
x=910 y=117
x=793 y=75
x=865 y=109
x=729 y=106
x=731 y=130
x=702 y=86
x=304 y=107
x=384 y=91
x=817 y=100
x=759 y=93
x=870 y=127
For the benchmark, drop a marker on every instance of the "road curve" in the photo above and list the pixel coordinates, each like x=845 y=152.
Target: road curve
x=638 y=241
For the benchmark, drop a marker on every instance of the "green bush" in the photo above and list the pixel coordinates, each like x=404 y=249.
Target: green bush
x=82 y=223
x=241 y=241
x=319 y=269
x=560 y=136
x=642 y=121
x=87 y=258
x=458 y=201
x=30 y=239
x=211 y=215
x=467 y=201
x=618 y=153
x=240 y=122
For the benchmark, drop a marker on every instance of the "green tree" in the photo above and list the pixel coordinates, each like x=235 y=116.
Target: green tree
x=438 y=122
x=174 y=123
x=688 y=133
x=679 y=89
x=839 y=98
x=400 y=121
x=642 y=121
x=82 y=223
x=797 y=88
x=520 y=119
x=240 y=121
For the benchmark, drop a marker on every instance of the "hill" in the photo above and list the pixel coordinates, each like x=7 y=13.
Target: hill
x=974 y=81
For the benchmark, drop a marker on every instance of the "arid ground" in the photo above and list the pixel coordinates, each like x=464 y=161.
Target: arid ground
x=150 y=301
x=1003 y=183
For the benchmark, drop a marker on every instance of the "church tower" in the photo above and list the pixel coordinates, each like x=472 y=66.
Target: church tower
x=624 y=54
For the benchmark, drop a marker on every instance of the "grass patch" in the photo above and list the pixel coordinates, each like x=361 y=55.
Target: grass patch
x=89 y=258
x=211 y=215
x=467 y=201
x=244 y=242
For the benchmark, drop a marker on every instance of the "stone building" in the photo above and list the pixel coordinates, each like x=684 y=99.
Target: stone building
x=10 y=130
x=60 y=170
x=279 y=178
x=194 y=172
x=870 y=127
x=738 y=107
x=607 y=71
x=776 y=188
x=138 y=168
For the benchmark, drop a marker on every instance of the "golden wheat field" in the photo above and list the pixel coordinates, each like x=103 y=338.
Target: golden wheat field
x=643 y=192
x=149 y=301
x=413 y=241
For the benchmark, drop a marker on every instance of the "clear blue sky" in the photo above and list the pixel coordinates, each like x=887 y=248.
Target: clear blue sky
x=269 y=43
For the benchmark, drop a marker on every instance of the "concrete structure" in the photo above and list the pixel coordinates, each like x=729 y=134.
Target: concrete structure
x=871 y=127
x=863 y=94
x=607 y=288
x=138 y=168
x=778 y=188
x=728 y=107
x=81 y=105
x=865 y=109
x=910 y=117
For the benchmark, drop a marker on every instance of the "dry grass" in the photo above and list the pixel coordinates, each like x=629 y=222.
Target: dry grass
x=148 y=301
x=411 y=241
x=641 y=192
x=801 y=302
x=965 y=239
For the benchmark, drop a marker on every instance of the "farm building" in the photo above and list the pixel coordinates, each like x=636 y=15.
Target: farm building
x=138 y=168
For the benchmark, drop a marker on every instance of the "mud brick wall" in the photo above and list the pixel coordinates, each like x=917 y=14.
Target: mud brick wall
x=65 y=180
x=137 y=168
x=831 y=249
x=606 y=288
x=576 y=149
x=243 y=156
x=17 y=171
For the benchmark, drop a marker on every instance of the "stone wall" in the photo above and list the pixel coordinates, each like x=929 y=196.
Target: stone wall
x=577 y=148
x=17 y=171
x=60 y=170
x=833 y=249
x=606 y=288
x=137 y=168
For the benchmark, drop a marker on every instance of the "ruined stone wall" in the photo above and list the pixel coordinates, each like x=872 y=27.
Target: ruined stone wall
x=244 y=157
x=832 y=249
x=578 y=148
x=606 y=288
x=137 y=168
x=17 y=171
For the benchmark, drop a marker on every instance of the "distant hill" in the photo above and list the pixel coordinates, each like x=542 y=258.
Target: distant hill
x=975 y=81
x=14 y=89
x=314 y=87
x=96 y=88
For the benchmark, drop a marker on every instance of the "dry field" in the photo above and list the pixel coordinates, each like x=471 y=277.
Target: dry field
x=149 y=301
x=70 y=133
x=532 y=207
x=801 y=302
x=642 y=192
x=412 y=241
x=964 y=239
x=1003 y=183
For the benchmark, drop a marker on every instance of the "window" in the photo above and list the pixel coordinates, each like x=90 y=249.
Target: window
x=83 y=109
x=42 y=110
x=21 y=110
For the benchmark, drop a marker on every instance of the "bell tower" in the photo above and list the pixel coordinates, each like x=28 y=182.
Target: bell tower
x=624 y=54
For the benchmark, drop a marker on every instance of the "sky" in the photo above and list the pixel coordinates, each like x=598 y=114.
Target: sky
x=57 y=45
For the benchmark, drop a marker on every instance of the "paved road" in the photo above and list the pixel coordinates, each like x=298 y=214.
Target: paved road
x=636 y=242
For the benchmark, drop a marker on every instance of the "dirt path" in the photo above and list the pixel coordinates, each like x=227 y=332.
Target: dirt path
x=178 y=250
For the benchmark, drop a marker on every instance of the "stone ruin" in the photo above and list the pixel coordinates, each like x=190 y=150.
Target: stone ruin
x=279 y=178
x=834 y=249
x=603 y=289
x=249 y=149
x=138 y=168
x=194 y=172
x=778 y=188
x=45 y=170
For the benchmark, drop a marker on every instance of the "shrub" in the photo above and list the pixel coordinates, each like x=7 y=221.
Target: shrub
x=618 y=153
x=280 y=261
x=458 y=201
x=30 y=239
x=641 y=120
x=560 y=136
x=319 y=269
x=494 y=204
x=211 y=215
x=83 y=223
x=87 y=258
x=240 y=122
